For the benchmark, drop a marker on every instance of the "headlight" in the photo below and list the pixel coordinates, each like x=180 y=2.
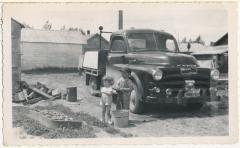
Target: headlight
x=215 y=74
x=157 y=74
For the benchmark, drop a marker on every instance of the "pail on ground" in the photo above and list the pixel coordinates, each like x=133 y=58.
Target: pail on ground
x=120 y=118
x=72 y=94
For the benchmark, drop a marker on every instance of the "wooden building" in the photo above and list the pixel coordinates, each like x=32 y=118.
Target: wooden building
x=215 y=56
x=93 y=43
x=16 y=55
x=222 y=41
x=51 y=48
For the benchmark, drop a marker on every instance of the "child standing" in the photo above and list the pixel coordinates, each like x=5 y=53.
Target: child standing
x=124 y=88
x=106 y=99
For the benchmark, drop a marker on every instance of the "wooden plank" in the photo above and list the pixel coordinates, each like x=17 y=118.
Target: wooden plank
x=41 y=93
x=32 y=101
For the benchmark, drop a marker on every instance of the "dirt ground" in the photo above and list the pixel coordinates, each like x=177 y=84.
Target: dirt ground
x=157 y=121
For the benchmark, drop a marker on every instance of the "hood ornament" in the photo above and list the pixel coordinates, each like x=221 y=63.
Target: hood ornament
x=188 y=69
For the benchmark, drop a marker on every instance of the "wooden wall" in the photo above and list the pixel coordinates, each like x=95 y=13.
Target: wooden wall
x=16 y=55
x=93 y=44
x=40 y=55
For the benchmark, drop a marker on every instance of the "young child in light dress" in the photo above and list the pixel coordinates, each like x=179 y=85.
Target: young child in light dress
x=106 y=98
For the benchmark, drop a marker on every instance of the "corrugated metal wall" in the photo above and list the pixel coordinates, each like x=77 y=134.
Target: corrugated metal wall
x=41 y=55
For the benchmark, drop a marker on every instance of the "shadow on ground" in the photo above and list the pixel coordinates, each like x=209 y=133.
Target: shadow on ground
x=153 y=112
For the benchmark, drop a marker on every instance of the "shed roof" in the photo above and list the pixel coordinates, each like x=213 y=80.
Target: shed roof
x=53 y=36
x=13 y=20
x=222 y=41
x=89 y=37
x=212 y=50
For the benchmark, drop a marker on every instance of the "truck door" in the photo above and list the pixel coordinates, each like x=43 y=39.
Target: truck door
x=117 y=55
x=118 y=50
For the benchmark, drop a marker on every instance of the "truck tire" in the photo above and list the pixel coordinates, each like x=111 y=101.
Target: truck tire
x=194 y=106
x=87 y=77
x=95 y=82
x=80 y=71
x=136 y=105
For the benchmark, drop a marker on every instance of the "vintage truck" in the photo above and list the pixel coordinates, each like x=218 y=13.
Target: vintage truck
x=159 y=72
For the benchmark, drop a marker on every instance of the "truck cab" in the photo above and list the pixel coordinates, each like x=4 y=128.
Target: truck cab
x=159 y=72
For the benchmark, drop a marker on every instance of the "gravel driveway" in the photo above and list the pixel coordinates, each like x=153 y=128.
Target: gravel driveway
x=158 y=120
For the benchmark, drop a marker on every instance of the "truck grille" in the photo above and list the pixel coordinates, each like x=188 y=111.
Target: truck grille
x=188 y=70
x=178 y=80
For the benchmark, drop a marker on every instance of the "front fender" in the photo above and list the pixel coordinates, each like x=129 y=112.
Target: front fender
x=137 y=81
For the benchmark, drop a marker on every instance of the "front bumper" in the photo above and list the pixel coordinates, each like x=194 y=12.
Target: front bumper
x=177 y=96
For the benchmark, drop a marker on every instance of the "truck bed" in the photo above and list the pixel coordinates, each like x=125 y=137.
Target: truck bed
x=94 y=62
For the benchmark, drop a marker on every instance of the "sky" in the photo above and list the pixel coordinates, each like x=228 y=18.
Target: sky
x=181 y=20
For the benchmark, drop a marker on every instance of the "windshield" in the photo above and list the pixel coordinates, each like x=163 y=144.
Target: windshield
x=151 y=42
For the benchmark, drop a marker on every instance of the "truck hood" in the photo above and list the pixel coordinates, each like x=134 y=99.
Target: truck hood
x=162 y=59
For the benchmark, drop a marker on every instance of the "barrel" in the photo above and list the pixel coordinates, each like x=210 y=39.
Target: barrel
x=72 y=94
x=120 y=118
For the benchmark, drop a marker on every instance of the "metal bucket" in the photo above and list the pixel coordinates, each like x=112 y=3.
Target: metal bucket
x=120 y=118
x=72 y=94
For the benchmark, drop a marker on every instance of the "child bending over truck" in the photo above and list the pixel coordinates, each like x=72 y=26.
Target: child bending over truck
x=106 y=98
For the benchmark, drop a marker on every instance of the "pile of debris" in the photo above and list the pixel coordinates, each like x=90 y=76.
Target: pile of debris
x=54 y=119
x=57 y=116
x=35 y=93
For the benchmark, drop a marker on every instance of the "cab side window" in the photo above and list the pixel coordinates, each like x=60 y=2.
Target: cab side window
x=118 y=45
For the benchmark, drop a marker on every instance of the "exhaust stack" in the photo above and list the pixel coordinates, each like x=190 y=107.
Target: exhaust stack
x=120 y=20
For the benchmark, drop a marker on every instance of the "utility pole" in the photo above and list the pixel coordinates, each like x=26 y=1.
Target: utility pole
x=101 y=31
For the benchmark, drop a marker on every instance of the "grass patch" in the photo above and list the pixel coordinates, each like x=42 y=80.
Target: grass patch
x=34 y=128
x=90 y=120
x=41 y=70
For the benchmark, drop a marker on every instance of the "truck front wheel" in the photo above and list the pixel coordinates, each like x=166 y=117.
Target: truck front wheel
x=194 y=106
x=95 y=82
x=136 y=105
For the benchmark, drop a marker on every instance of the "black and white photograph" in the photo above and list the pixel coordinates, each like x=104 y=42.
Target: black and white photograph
x=89 y=71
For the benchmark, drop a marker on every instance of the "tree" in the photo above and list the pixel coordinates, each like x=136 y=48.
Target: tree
x=184 y=40
x=47 y=25
x=190 y=40
x=199 y=40
x=82 y=31
x=73 y=29
x=63 y=27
